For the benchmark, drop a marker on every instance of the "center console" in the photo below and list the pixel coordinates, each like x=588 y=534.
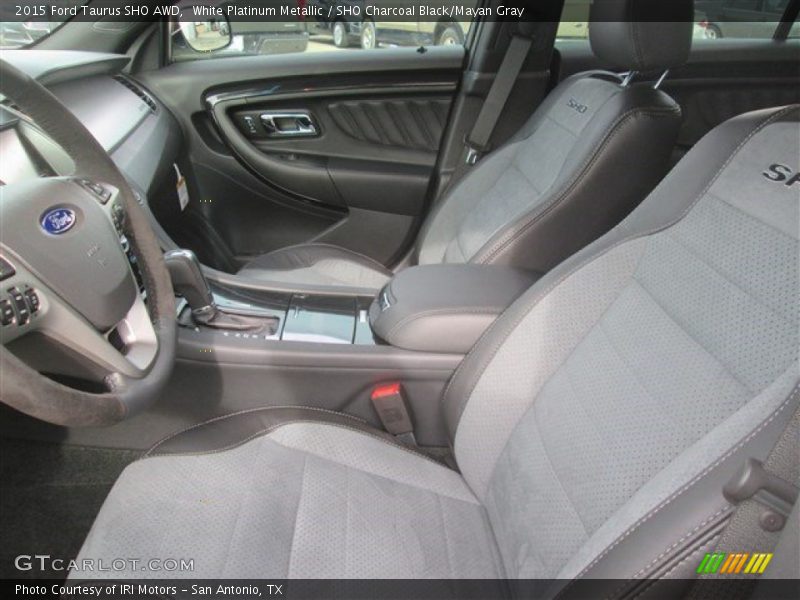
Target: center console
x=292 y=317
x=261 y=347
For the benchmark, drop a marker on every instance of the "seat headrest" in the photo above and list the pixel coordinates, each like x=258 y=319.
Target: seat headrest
x=642 y=35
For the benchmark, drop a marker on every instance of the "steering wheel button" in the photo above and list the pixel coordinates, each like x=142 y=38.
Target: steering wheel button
x=6 y=269
x=6 y=312
x=23 y=313
x=98 y=190
x=33 y=300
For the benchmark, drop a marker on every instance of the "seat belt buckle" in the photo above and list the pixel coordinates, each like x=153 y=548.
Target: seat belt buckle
x=473 y=154
x=753 y=482
x=390 y=404
x=474 y=151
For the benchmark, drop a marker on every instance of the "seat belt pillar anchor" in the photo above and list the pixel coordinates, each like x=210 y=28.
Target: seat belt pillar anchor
x=753 y=482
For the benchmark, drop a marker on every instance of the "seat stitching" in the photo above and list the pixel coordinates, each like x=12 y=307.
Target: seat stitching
x=694 y=338
x=347 y=526
x=243 y=412
x=686 y=536
x=579 y=343
x=750 y=294
x=428 y=227
x=530 y=182
x=240 y=499
x=610 y=451
x=467 y=310
x=652 y=583
x=447 y=553
x=563 y=127
x=752 y=216
x=297 y=515
x=555 y=476
x=279 y=425
x=634 y=373
x=346 y=252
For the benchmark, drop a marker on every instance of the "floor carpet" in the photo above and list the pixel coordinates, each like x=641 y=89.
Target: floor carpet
x=49 y=496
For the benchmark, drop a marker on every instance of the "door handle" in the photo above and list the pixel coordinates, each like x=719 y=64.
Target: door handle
x=289 y=124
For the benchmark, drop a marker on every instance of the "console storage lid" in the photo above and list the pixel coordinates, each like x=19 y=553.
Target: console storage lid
x=444 y=308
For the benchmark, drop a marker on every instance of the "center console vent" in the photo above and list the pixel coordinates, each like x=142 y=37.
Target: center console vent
x=146 y=98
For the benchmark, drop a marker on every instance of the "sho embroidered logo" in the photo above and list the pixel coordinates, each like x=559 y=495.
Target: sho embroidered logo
x=575 y=105
x=782 y=174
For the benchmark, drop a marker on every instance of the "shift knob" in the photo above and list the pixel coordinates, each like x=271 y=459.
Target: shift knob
x=189 y=281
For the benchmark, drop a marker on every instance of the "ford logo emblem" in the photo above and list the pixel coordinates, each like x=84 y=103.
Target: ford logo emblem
x=58 y=220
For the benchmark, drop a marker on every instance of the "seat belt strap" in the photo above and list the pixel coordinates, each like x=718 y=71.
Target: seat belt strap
x=477 y=142
x=764 y=495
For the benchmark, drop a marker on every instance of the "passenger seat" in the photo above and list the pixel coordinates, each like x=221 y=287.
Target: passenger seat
x=589 y=154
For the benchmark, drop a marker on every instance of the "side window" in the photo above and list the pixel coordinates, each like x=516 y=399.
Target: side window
x=574 y=21
x=714 y=19
x=738 y=19
x=311 y=26
x=22 y=24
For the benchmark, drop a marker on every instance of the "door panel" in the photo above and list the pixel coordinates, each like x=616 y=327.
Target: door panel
x=360 y=179
x=415 y=124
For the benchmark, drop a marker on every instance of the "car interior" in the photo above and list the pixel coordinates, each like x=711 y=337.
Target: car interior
x=516 y=305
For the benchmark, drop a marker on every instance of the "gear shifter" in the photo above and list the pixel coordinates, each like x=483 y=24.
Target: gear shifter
x=189 y=281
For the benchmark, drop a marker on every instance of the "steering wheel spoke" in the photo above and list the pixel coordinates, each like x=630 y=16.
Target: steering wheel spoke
x=53 y=338
x=79 y=308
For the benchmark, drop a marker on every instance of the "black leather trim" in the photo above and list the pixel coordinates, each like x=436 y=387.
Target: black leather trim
x=642 y=35
x=231 y=431
x=445 y=308
x=667 y=205
x=306 y=255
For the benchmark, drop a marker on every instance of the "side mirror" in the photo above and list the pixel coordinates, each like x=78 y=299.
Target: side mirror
x=205 y=36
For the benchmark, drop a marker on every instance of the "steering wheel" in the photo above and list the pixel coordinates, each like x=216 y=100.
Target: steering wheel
x=78 y=312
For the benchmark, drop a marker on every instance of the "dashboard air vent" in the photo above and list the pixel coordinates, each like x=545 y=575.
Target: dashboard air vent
x=138 y=91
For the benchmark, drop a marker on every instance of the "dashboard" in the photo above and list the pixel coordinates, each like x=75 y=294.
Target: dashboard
x=141 y=136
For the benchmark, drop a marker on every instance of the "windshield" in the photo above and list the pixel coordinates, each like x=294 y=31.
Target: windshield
x=22 y=24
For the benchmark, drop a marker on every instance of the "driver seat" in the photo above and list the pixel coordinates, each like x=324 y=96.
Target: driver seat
x=594 y=426
x=587 y=156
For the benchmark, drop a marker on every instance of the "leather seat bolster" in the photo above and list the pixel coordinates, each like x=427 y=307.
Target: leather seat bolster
x=229 y=431
x=307 y=255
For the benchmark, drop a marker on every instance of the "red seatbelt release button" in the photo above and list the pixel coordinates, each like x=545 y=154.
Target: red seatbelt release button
x=390 y=404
